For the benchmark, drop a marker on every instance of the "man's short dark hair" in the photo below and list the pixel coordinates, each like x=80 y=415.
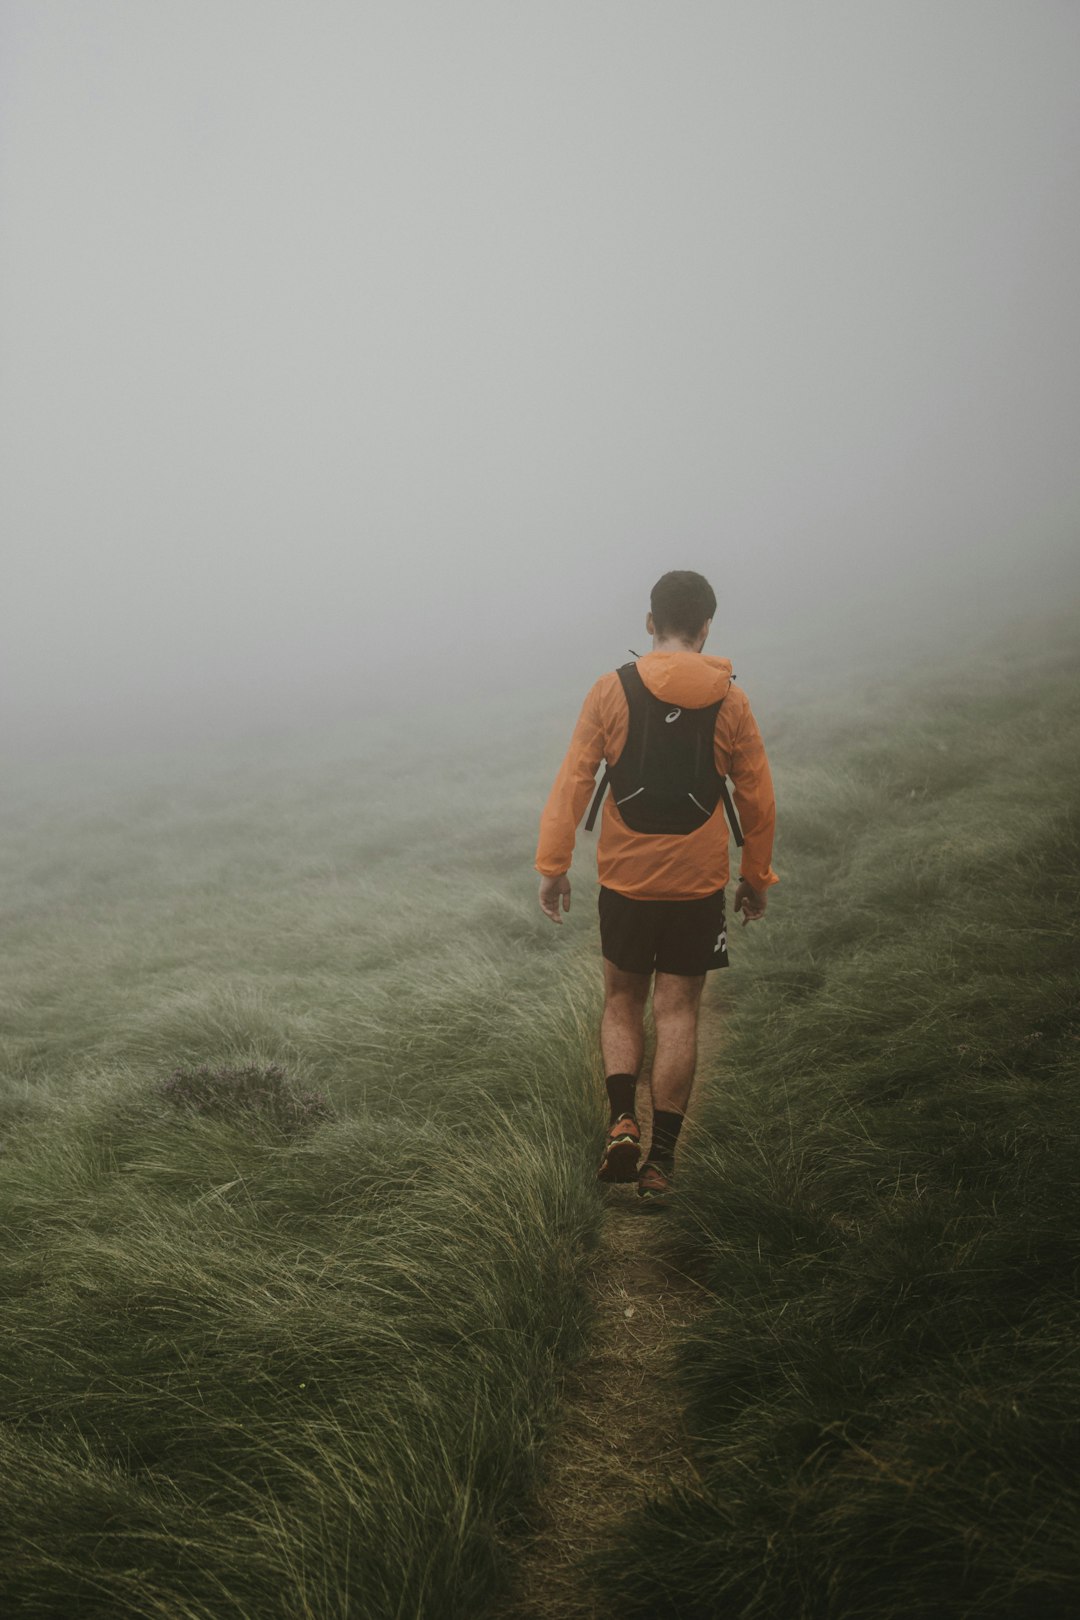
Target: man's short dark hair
x=681 y=602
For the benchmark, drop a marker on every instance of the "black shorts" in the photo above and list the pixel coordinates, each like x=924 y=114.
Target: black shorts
x=666 y=936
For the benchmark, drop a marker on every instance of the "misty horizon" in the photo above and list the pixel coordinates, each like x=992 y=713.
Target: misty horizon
x=356 y=354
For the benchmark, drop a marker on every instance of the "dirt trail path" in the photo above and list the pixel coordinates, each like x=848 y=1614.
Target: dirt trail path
x=620 y=1436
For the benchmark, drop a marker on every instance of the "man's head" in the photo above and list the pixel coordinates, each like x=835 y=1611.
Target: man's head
x=683 y=604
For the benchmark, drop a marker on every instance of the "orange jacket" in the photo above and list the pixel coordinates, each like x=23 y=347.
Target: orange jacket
x=663 y=866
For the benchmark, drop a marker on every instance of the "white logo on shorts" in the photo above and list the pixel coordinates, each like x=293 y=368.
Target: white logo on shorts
x=674 y=715
x=721 y=941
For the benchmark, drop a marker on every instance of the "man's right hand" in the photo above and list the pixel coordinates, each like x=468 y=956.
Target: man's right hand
x=749 y=902
x=551 y=888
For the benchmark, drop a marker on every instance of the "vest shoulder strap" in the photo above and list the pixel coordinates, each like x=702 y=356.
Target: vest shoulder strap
x=634 y=687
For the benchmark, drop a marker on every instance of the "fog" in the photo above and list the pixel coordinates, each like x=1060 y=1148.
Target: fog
x=355 y=352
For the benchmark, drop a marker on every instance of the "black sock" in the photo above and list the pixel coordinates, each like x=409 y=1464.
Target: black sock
x=620 y=1092
x=665 y=1133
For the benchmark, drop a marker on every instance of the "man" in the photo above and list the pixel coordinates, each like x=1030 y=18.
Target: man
x=662 y=858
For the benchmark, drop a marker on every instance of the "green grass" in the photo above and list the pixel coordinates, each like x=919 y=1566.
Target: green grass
x=293 y=1350
x=258 y=1359
x=885 y=1390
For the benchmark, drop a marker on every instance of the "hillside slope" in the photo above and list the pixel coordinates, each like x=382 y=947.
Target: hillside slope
x=291 y=1256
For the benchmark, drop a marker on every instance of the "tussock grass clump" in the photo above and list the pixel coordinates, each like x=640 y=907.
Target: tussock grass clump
x=885 y=1393
x=236 y=1092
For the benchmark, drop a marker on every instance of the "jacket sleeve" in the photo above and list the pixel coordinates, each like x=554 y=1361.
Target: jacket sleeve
x=755 y=803
x=571 y=790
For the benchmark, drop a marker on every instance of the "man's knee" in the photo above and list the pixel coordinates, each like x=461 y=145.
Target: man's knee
x=677 y=996
x=627 y=992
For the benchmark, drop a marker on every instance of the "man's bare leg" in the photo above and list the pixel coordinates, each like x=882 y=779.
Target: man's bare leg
x=676 y=1003
x=622 y=1028
x=676 y=1000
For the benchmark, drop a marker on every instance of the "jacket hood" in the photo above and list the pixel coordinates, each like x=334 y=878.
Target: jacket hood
x=692 y=680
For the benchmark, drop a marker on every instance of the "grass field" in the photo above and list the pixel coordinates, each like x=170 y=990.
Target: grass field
x=885 y=1393
x=299 y=1114
x=281 y=1338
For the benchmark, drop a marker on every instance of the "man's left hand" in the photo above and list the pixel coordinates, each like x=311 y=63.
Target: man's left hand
x=749 y=902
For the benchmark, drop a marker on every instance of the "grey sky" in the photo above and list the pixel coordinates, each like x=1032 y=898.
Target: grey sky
x=342 y=340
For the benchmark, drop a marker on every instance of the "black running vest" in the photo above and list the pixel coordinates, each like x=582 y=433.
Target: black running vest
x=665 y=780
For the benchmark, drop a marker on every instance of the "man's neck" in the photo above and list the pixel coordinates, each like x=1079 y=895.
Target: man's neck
x=668 y=644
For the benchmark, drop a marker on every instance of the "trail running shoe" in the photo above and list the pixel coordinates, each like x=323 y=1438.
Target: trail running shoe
x=654 y=1182
x=621 y=1151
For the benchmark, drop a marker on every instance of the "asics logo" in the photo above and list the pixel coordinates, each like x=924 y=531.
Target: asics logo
x=674 y=715
x=721 y=942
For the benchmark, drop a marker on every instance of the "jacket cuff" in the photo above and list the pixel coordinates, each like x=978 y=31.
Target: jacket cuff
x=759 y=882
